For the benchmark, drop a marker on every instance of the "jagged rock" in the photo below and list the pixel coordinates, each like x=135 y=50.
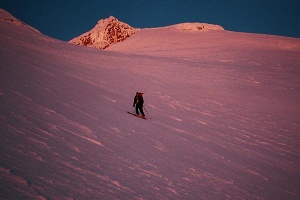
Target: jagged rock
x=106 y=32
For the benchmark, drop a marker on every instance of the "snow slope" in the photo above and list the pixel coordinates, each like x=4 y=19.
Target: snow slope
x=224 y=106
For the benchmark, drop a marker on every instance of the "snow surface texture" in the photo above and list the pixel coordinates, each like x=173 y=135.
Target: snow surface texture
x=224 y=106
x=106 y=32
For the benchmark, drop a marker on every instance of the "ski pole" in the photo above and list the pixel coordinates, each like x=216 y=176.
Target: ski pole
x=147 y=112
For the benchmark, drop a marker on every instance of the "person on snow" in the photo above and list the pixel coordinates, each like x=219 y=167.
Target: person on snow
x=138 y=102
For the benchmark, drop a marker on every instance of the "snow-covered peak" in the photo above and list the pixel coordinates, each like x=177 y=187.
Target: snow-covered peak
x=111 y=31
x=106 y=32
x=105 y=22
x=198 y=26
x=6 y=17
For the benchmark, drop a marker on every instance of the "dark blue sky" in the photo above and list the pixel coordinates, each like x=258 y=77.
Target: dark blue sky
x=66 y=19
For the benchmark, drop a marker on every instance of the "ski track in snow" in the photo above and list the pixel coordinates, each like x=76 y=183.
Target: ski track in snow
x=224 y=118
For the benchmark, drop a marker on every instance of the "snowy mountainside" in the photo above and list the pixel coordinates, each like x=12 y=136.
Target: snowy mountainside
x=111 y=31
x=8 y=18
x=171 y=40
x=224 y=107
x=106 y=32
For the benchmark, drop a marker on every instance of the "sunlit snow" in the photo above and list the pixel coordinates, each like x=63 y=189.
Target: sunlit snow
x=224 y=108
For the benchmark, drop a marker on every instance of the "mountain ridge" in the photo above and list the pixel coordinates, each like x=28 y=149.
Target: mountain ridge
x=8 y=18
x=111 y=31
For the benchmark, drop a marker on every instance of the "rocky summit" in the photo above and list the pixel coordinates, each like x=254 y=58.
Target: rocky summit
x=106 y=32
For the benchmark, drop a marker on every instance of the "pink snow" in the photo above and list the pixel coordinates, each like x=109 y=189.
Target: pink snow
x=224 y=106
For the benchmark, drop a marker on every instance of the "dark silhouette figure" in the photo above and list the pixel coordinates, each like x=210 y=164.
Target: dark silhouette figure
x=138 y=102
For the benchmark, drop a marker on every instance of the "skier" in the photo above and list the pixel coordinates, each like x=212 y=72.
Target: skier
x=138 y=103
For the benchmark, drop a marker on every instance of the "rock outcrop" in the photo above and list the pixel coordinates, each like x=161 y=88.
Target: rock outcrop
x=198 y=26
x=106 y=32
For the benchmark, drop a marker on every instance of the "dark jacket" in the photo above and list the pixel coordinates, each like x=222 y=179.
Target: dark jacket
x=138 y=100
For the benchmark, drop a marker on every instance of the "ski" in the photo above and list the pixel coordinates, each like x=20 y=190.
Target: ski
x=135 y=115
